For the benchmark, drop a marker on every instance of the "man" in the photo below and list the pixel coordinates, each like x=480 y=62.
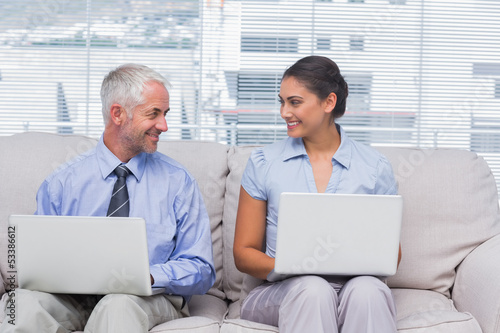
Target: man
x=135 y=102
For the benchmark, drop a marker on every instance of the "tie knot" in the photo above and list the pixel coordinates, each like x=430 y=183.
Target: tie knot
x=122 y=171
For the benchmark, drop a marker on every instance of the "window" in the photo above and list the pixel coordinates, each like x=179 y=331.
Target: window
x=358 y=106
x=357 y=43
x=397 y=2
x=489 y=72
x=486 y=69
x=485 y=135
x=323 y=44
x=269 y=44
x=255 y=116
x=256 y=89
x=421 y=73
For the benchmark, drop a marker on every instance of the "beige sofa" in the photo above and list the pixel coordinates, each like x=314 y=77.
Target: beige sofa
x=448 y=280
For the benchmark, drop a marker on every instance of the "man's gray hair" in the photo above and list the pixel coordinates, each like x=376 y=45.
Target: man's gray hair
x=124 y=85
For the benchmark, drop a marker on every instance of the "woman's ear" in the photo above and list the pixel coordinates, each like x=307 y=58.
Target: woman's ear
x=330 y=102
x=117 y=114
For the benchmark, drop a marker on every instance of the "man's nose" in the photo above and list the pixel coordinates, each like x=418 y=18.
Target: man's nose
x=162 y=124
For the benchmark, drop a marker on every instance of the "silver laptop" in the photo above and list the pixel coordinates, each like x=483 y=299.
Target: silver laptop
x=82 y=255
x=337 y=234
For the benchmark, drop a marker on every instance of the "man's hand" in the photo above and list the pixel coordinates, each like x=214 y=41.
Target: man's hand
x=152 y=280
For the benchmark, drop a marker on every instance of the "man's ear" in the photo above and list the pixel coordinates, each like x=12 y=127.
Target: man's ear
x=117 y=114
x=330 y=102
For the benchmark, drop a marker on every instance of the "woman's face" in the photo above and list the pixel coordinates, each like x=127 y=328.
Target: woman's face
x=305 y=114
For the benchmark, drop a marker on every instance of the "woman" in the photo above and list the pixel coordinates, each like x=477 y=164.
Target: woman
x=316 y=157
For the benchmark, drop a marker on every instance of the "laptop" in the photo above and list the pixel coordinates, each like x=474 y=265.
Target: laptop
x=82 y=255
x=337 y=234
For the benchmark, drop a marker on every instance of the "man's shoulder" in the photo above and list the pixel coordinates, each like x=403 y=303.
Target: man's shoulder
x=73 y=165
x=166 y=162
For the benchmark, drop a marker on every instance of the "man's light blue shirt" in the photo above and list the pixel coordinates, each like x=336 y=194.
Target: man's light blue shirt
x=162 y=192
x=285 y=167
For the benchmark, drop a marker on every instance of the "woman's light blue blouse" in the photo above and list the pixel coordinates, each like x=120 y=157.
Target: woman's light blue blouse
x=285 y=167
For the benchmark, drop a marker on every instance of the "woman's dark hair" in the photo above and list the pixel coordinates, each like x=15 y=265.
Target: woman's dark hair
x=321 y=76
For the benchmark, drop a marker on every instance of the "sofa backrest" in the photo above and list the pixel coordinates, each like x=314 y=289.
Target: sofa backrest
x=450 y=207
x=237 y=161
x=30 y=157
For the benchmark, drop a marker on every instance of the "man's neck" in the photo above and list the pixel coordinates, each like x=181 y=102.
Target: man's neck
x=111 y=142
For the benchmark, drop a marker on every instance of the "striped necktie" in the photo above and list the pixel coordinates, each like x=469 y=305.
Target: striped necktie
x=119 y=204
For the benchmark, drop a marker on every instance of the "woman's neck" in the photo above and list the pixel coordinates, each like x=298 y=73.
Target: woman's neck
x=323 y=144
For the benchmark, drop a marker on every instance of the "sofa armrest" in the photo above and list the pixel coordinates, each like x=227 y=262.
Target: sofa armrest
x=477 y=285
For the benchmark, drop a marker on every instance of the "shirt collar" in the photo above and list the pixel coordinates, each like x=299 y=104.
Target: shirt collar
x=344 y=152
x=107 y=161
x=295 y=147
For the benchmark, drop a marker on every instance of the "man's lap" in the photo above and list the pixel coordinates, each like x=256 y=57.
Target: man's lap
x=74 y=312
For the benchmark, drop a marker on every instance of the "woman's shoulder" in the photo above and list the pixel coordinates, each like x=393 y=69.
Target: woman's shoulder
x=369 y=161
x=271 y=152
x=368 y=154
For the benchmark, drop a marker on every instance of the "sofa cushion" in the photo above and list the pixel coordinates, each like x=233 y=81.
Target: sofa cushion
x=208 y=306
x=192 y=324
x=429 y=311
x=237 y=161
x=246 y=326
x=417 y=311
x=450 y=207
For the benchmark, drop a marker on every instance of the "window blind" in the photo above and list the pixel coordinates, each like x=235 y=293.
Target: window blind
x=421 y=73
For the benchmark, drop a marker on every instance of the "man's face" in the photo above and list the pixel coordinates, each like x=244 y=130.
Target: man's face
x=141 y=133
